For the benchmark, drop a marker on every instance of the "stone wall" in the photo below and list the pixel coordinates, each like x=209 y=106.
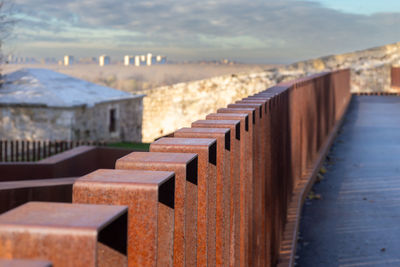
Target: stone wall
x=93 y=123
x=370 y=69
x=171 y=107
x=35 y=123
x=78 y=123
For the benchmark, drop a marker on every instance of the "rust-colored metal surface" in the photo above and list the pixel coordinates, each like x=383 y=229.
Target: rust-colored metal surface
x=293 y=123
x=250 y=147
x=234 y=231
x=245 y=182
x=65 y=234
x=256 y=241
x=13 y=194
x=262 y=242
x=72 y=163
x=24 y=263
x=395 y=77
x=222 y=135
x=206 y=149
x=149 y=196
x=184 y=165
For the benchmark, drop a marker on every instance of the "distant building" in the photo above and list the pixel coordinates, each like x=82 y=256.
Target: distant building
x=88 y=60
x=149 y=59
x=50 y=60
x=49 y=105
x=68 y=60
x=104 y=60
x=129 y=60
x=161 y=59
x=137 y=61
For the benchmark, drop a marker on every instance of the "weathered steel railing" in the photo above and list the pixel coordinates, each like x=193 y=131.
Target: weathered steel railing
x=225 y=192
x=395 y=77
x=34 y=150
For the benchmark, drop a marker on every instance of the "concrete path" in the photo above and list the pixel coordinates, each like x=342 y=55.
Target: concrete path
x=357 y=220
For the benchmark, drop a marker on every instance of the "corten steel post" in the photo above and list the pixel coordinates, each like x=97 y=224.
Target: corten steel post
x=206 y=149
x=149 y=196
x=234 y=238
x=184 y=165
x=65 y=234
x=278 y=121
x=25 y=263
x=246 y=179
x=271 y=188
x=222 y=135
x=258 y=235
x=263 y=252
x=250 y=144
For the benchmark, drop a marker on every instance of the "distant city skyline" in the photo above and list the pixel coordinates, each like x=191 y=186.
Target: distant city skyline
x=260 y=31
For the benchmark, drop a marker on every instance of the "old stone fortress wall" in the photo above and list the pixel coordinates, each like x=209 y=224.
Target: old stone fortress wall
x=121 y=116
x=168 y=108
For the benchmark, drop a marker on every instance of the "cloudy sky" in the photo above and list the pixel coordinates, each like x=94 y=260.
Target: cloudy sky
x=255 y=31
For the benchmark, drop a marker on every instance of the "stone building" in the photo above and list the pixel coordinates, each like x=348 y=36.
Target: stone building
x=40 y=104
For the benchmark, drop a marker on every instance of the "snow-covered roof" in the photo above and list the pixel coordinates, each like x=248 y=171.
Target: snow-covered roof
x=53 y=89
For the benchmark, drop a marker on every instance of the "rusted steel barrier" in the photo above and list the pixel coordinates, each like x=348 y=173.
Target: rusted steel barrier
x=250 y=148
x=75 y=162
x=234 y=221
x=184 y=165
x=256 y=162
x=34 y=150
x=245 y=182
x=206 y=149
x=16 y=193
x=149 y=196
x=222 y=135
x=395 y=77
x=256 y=241
x=65 y=234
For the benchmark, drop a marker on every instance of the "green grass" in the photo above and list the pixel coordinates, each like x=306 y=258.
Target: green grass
x=130 y=145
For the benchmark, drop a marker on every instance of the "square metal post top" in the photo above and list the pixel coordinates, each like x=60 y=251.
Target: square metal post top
x=184 y=141
x=234 y=125
x=155 y=158
x=126 y=178
x=50 y=216
x=204 y=131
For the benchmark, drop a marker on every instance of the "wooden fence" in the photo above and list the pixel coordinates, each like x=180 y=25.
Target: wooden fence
x=24 y=150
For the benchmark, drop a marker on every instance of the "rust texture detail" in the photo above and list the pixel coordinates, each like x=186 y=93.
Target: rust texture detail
x=149 y=196
x=395 y=77
x=234 y=230
x=225 y=192
x=184 y=165
x=255 y=244
x=222 y=135
x=206 y=149
x=65 y=234
x=245 y=183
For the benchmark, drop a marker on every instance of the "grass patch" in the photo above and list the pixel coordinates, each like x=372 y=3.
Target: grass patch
x=130 y=145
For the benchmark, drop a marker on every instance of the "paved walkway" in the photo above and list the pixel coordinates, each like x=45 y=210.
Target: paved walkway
x=357 y=220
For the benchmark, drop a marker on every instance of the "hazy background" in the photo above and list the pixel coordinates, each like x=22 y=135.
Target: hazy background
x=257 y=31
x=133 y=79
